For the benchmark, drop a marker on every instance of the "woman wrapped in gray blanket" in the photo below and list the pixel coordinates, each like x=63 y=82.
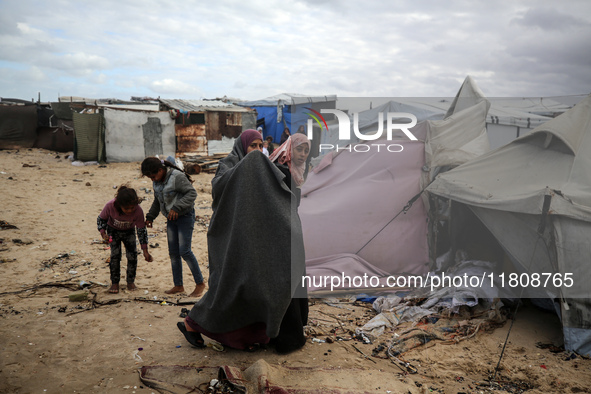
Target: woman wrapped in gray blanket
x=256 y=257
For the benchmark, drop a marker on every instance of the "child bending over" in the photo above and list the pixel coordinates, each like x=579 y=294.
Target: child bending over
x=116 y=223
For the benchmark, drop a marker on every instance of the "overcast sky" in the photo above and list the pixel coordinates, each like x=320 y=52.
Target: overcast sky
x=255 y=49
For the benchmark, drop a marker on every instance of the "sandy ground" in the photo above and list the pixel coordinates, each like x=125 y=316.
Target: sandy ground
x=51 y=344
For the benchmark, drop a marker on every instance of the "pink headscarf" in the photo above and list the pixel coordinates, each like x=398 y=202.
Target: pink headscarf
x=283 y=156
x=248 y=136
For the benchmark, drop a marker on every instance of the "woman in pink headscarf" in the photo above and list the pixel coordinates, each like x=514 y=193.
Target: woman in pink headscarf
x=292 y=159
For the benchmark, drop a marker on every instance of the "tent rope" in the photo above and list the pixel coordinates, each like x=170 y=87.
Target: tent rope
x=404 y=210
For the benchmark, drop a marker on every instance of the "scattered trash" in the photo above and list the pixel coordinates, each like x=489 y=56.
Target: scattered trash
x=84 y=285
x=376 y=351
x=23 y=241
x=364 y=355
x=552 y=348
x=213 y=384
x=79 y=163
x=4 y=225
x=218 y=347
x=78 y=296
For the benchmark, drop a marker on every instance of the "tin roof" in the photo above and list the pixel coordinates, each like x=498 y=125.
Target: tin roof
x=202 y=105
x=288 y=99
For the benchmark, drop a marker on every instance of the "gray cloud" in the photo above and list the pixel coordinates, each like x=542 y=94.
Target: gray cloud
x=260 y=48
x=549 y=19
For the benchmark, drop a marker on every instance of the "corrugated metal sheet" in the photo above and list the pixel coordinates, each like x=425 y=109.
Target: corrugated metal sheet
x=202 y=105
x=223 y=124
x=191 y=139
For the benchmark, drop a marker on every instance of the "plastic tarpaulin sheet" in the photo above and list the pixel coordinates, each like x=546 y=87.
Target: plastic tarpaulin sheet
x=349 y=207
x=271 y=127
x=18 y=126
x=89 y=137
x=134 y=135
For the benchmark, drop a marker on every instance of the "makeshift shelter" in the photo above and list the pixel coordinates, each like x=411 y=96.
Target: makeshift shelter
x=207 y=127
x=289 y=110
x=353 y=207
x=119 y=131
x=134 y=135
x=58 y=139
x=18 y=124
x=52 y=132
x=534 y=197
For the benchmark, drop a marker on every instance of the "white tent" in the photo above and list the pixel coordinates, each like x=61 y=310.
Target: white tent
x=351 y=199
x=534 y=196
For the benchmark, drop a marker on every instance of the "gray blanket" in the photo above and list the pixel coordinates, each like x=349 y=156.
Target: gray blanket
x=255 y=246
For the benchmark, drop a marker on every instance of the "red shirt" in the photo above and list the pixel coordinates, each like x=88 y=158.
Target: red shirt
x=122 y=221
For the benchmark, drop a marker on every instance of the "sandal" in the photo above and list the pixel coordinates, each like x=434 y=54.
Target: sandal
x=194 y=338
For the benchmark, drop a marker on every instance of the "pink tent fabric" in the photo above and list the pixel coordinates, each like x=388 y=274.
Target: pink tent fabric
x=348 y=205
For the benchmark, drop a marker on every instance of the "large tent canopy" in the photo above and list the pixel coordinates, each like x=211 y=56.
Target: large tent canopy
x=351 y=202
x=534 y=195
